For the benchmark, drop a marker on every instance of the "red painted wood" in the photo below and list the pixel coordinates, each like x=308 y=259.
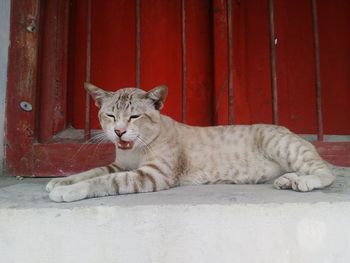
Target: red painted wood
x=220 y=62
x=253 y=103
x=22 y=81
x=241 y=111
x=161 y=50
x=77 y=62
x=199 y=63
x=113 y=67
x=337 y=153
x=295 y=66
x=53 y=68
x=334 y=33
x=252 y=91
x=77 y=157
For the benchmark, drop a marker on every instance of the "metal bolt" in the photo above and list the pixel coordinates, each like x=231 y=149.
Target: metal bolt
x=26 y=106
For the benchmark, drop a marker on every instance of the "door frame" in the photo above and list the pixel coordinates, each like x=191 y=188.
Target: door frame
x=36 y=103
x=37 y=96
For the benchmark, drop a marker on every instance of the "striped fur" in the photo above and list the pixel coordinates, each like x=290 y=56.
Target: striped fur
x=165 y=153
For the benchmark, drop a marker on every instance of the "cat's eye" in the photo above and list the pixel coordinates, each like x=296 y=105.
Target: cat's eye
x=110 y=116
x=134 y=117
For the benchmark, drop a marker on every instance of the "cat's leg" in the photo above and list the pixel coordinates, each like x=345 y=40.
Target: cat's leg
x=285 y=181
x=111 y=168
x=307 y=170
x=304 y=183
x=145 y=179
x=304 y=168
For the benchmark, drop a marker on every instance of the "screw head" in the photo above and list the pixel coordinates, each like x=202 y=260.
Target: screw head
x=26 y=106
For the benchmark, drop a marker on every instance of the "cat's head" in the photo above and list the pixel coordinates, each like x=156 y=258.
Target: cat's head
x=130 y=116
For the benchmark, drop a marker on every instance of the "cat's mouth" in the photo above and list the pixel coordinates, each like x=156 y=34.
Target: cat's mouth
x=124 y=145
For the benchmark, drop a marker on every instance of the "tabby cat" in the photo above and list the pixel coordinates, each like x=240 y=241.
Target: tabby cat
x=154 y=152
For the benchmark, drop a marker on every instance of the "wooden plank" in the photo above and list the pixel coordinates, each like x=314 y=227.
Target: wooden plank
x=334 y=37
x=199 y=63
x=161 y=58
x=62 y=159
x=220 y=62
x=252 y=79
x=295 y=66
x=337 y=153
x=77 y=63
x=22 y=82
x=53 y=68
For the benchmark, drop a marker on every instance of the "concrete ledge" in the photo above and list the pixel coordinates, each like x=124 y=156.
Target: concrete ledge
x=216 y=223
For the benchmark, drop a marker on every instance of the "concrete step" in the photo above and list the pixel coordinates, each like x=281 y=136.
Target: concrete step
x=213 y=223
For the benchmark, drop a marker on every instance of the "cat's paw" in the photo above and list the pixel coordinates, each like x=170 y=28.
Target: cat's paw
x=69 y=193
x=306 y=183
x=56 y=182
x=285 y=181
x=282 y=183
x=52 y=183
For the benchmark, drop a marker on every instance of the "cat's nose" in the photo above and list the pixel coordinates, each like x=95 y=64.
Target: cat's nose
x=120 y=132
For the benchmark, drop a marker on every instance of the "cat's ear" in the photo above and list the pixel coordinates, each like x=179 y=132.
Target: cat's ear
x=158 y=95
x=96 y=93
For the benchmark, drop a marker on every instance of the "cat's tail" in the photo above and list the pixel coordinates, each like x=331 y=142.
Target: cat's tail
x=339 y=170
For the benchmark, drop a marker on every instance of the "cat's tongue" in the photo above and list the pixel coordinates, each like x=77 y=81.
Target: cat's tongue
x=124 y=145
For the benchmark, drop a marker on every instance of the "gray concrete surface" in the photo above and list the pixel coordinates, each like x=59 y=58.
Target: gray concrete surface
x=30 y=193
x=213 y=223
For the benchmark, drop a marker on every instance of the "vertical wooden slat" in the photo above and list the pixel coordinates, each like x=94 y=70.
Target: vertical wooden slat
x=295 y=66
x=21 y=130
x=161 y=51
x=334 y=41
x=273 y=61
x=220 y=67
x=184 y=60
x=138 y=43
x=317 y=71
x=199 y=61
x=87 y=126
x=252 y=76
x=53 y=68
x=230 y=60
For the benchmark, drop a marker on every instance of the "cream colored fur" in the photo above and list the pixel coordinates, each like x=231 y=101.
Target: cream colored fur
x=166 y=153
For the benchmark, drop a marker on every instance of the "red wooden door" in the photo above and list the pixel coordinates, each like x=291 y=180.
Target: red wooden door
x=215 y=56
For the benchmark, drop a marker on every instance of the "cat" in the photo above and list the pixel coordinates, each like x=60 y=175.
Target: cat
x=154 y=152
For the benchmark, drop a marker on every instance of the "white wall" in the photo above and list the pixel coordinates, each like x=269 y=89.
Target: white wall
x=4 y=43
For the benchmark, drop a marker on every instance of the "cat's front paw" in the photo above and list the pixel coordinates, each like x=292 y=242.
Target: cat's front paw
x=285 y=181
x=57 y=182
x=50 y=185
x=69 y=193
x=306 y=183
x=303 y=183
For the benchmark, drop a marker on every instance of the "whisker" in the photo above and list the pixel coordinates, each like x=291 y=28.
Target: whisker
x=146 y=147
x=99 y=137
x=102 y=140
